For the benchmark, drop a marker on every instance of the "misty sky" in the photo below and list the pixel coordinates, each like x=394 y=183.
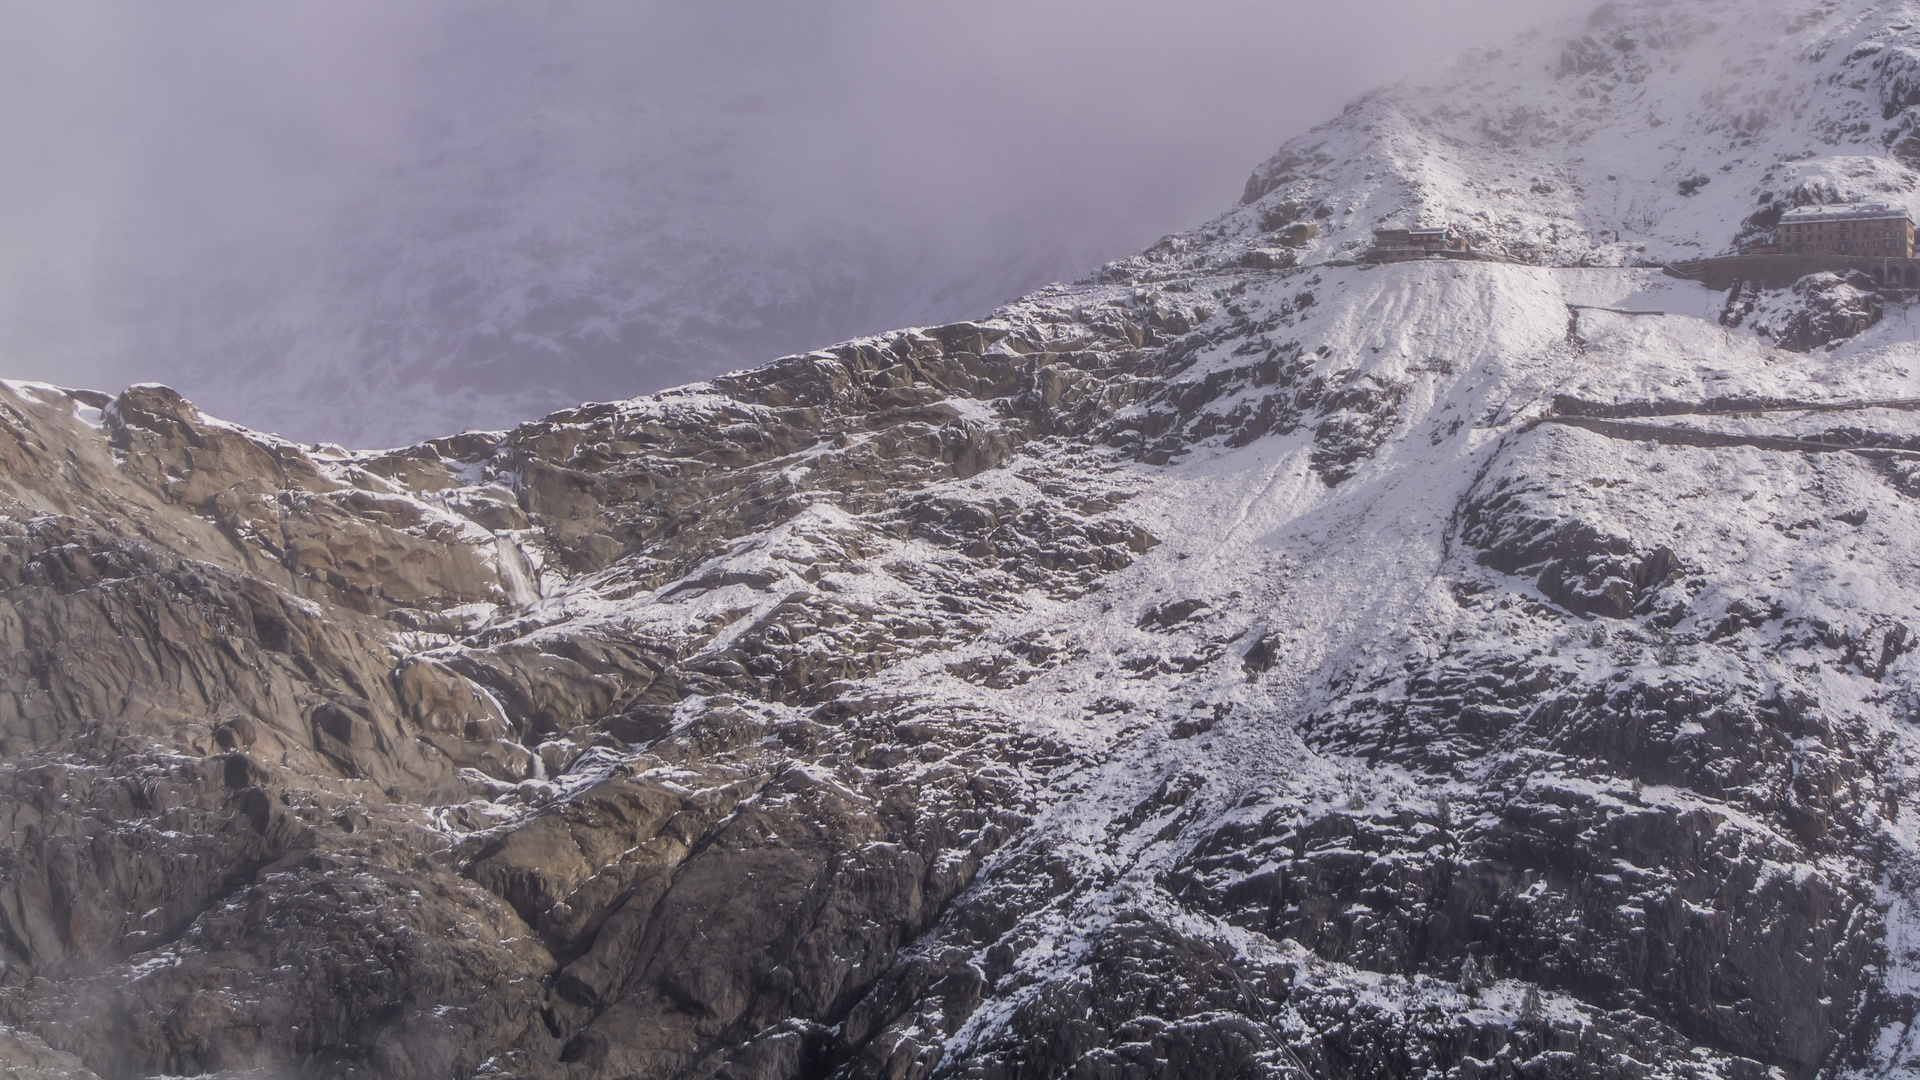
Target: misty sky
x=198 y=191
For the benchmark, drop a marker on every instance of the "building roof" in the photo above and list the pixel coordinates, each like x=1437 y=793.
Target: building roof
x=1874 y=211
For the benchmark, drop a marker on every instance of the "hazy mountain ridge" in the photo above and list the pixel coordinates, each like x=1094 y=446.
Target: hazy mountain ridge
x=551 y=229
x=439 y=321
x=1218 y=668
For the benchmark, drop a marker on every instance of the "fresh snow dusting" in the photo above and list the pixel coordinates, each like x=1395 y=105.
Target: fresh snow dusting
x=1648 y=135
x=1450 y=569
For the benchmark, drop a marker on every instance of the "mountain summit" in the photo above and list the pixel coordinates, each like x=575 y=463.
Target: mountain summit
x=1659 y=133
x=1252 y=661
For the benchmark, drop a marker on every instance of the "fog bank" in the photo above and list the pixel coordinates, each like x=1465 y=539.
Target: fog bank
x=374 y=221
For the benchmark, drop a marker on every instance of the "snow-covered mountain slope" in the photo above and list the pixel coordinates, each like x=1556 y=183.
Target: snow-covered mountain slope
x=1214 y=669
x=1652 y=134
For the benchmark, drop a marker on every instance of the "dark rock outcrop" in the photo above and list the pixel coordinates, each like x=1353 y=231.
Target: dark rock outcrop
x=1245 y=664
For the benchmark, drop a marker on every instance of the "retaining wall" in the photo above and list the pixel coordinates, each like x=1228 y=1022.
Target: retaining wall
x=1780 y=271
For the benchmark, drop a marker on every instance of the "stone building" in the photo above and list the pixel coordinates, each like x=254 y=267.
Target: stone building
x=1396 y=245
x=1849 y=230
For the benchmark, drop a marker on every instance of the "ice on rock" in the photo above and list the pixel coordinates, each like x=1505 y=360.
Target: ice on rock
x=1226 y=666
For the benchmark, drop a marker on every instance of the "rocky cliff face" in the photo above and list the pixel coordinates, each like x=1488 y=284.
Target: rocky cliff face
x=1242 y=664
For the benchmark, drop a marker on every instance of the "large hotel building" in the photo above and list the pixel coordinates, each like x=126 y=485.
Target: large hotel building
x=1853 y=230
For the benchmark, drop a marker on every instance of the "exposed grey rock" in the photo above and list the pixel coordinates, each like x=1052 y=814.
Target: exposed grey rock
x=1200 y=671
x=1819 y=310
